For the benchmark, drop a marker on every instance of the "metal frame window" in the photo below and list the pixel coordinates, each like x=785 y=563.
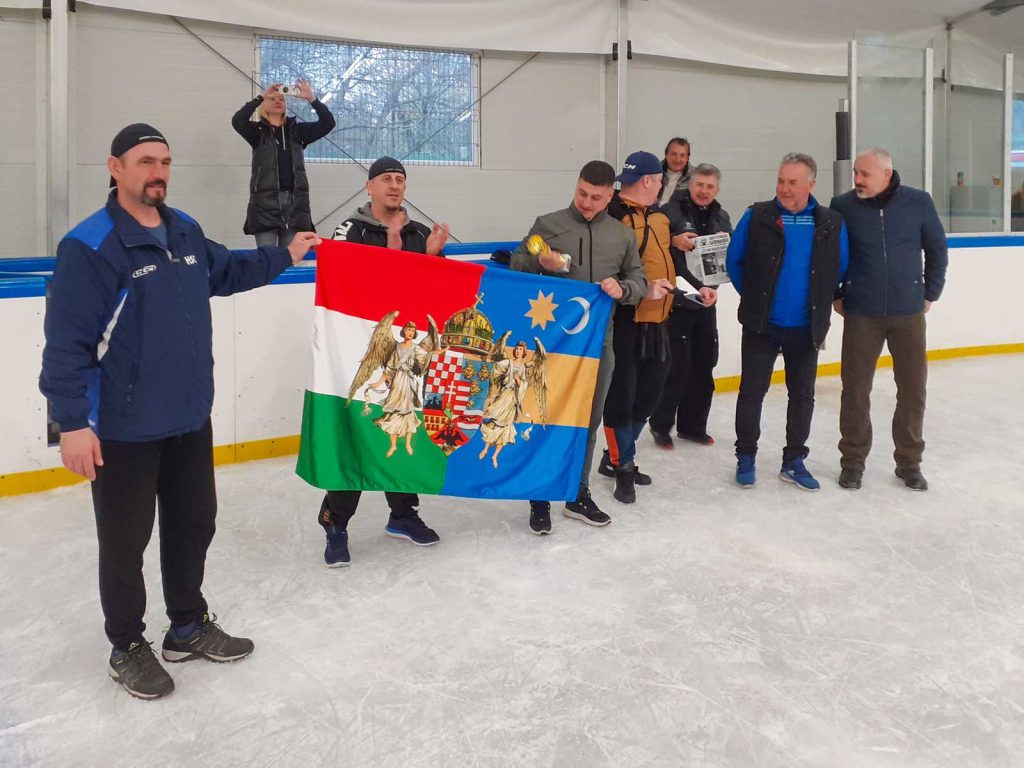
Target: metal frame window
x=418 y=105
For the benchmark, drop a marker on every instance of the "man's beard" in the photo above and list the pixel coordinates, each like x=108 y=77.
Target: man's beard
x=861 y=193
x=154 y=201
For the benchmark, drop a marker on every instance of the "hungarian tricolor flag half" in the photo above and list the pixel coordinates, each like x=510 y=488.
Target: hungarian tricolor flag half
x=437 y=376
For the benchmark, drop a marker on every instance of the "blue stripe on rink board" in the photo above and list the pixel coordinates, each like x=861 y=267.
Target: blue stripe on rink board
x=22 y=287
x=469 y=249
x=44 y=265
x=29 y=264
x=545 y=467
x=986 y=241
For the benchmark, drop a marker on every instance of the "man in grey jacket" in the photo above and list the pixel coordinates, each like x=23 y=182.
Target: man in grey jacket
x=585 y=243
x=886 y=295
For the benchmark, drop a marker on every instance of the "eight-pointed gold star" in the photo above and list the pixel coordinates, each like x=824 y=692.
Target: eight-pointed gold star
x=542 y=310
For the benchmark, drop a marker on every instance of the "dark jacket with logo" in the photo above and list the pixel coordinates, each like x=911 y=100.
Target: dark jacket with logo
x=755 y=261
x=687 y=216
x=888 y=234
x=265 y=211
x=363 y=227
x=129 y=338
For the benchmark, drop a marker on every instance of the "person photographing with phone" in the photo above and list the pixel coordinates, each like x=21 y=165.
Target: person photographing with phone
x=279 y=188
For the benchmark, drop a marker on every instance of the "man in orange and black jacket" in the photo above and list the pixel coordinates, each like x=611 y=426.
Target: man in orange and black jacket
x=640 y=340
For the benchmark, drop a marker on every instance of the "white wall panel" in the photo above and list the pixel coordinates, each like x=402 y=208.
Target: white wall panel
x=137 y=68
x=23 y=410
x=743 y=121
x=273 y=360
x=19 y=134
x=225 y=363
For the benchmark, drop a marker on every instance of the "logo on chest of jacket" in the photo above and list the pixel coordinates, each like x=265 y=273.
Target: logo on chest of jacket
x=190 y=260
x=341 y=233
x=144 y=270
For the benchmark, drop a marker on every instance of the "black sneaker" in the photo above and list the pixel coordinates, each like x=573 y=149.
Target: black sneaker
x=585 y=510
x=411 y=529
x=624 y=484
x=207 y=641
x=336 y=553
x=138 y=672
x=540 y=517
x=662 y=439
x=850 y=479
x=701 y=439
x=913 y=479
x=607 y=469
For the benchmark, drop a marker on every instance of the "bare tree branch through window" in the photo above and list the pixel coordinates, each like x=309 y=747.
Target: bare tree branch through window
x=413 y=104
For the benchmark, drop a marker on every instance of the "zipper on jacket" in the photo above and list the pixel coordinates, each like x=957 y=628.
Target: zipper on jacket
x=774 y=285
x=187 y=317
x=885 y=265
x=590 y=232
x=284 y=141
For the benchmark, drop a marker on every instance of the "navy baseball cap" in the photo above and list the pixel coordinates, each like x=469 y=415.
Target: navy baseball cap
x=638 y=165
x=131 y=136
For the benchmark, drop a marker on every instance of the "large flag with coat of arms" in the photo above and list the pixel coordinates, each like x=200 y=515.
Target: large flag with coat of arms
x=443 y=377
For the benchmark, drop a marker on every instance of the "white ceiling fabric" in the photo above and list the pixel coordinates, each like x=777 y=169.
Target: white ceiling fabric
x=568 y=26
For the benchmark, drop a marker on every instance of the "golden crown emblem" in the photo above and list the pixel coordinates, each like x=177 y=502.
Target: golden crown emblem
x=470 y=330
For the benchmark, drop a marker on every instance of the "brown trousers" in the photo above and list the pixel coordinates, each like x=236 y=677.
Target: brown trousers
x=863 y=336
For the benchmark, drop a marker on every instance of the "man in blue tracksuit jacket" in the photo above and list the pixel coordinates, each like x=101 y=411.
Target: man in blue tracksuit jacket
x=786 y=259
x=887 y=293
x=128 y=372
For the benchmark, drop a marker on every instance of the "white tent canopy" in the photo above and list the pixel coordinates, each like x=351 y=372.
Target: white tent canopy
x=568 y=26
x=806 y=36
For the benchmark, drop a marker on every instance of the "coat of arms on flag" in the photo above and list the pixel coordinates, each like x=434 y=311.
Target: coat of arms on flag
x=471 y=383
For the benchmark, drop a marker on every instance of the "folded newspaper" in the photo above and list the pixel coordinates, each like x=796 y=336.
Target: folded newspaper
x=707 y=259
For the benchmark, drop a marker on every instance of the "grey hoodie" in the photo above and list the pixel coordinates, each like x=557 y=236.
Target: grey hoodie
x=600 y=248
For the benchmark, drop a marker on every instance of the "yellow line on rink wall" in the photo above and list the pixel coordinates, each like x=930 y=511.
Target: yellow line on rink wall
x=17 y=483
x=732 y=383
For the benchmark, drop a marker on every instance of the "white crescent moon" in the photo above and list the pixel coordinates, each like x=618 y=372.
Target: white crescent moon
x=583 y=320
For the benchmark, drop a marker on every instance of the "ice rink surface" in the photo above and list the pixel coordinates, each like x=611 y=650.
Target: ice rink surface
x=706 y=626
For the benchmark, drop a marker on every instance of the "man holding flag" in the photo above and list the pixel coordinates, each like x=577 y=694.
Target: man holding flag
x=382 y=222
x=582 y=242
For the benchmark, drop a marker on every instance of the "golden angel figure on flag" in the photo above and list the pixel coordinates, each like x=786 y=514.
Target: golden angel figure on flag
x=403 y=362
x=512 y=376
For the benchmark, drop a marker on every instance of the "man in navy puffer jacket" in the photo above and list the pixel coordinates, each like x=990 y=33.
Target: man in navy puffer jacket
x=886 y=295
x=128 y=372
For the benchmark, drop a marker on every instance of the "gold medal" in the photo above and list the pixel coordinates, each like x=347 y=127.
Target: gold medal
x=536 y=245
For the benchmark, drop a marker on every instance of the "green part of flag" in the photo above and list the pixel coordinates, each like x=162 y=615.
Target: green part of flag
x=342 y=449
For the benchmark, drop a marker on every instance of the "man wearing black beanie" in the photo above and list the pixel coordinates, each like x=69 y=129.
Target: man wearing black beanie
x=385 y=223
x=128 y=373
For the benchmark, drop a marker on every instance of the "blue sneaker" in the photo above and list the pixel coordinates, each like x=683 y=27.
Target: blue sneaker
x=745 y=472
x=795 y=472
x=336 y=554
x=412 y=529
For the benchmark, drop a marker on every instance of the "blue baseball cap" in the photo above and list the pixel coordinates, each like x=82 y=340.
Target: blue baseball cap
x=638 y=165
